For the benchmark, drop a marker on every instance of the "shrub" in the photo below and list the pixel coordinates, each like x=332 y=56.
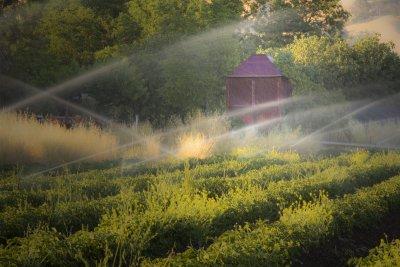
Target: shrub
x=386 y=254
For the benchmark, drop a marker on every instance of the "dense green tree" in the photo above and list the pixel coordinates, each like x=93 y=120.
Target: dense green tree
x=188 y=16
x=195 y=71
x=118 y=28
x=174 y=54
x=224 y=11
x=328 y=61
x=324 y=16
x=376 y=60
x=121 y=93
x=278 y=22
x=106 y=7
x=24 y=54
x=73 y=31
x=276 y=28
x=125 y=30
x=155 y=109
x=161 y=16
x=378 y=69
x=301 y=77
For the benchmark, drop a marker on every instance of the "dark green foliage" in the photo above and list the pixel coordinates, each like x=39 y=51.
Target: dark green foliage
x=279 y=22
x=121 y=93
x=25 y=53
x=386 y=254
x=365 y=68
x=106 y=8
x=125 y=30
x=298 y=229
x=177 y=62
x=70 y=202
x=190 y=16
x=138 y=85
x=66 y=25
x=247 y=213
x=194 y=71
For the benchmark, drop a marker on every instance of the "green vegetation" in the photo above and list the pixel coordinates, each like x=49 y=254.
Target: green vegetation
x=273 y=208
x=365 y=68
x=171 y=57
x=185 y=187
x=386 y=254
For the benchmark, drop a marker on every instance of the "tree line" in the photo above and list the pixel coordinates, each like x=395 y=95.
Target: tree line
x=172 y=56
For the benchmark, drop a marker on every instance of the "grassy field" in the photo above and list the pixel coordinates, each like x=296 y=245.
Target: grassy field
x=278 y=208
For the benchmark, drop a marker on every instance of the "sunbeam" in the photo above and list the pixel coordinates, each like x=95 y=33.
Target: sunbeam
x=348 y=115
x=86 y=111
x=360 y=145
x=72 y=83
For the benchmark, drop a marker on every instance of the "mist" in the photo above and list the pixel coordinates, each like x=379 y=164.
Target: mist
x=368 y=18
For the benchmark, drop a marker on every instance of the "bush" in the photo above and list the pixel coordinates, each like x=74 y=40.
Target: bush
x=386 y=254
x=314 y=63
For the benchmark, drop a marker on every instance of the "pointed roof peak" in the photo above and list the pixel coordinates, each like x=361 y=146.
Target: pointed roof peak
x=257 y=65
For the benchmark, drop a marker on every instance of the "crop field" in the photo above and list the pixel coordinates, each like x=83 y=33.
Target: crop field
x=279 y=208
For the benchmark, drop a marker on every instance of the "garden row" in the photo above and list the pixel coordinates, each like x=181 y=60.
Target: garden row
x=172 y=216
x=299 y=229
x=66 y=208
x=36 y=191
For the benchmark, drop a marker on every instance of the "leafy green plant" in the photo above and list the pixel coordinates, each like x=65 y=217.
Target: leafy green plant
x=386 y=254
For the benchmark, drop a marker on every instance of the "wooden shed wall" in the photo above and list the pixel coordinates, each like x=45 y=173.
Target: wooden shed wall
x=266 y=89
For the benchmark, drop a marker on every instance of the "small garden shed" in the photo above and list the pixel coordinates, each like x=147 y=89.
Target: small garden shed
x=256 y=81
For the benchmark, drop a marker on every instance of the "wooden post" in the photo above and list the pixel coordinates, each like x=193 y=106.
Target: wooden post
x=253 y=98
x=136 y=120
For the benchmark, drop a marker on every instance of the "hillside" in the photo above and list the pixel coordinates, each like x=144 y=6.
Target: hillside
x=387 y=26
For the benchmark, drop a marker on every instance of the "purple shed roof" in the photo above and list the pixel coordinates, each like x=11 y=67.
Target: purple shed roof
x=257 y=66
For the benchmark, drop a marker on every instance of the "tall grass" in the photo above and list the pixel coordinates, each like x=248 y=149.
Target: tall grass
x=199 y=136
x=194 y=146
x=145 y=141
x=23 y=140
